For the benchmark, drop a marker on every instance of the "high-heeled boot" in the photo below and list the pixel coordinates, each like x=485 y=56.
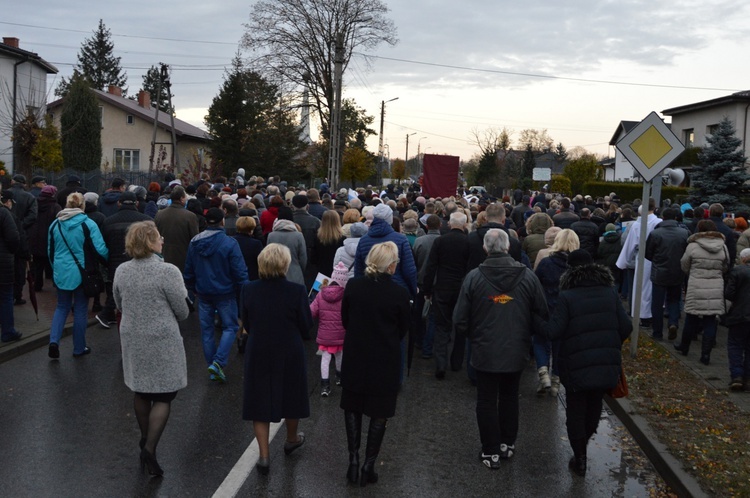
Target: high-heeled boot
x=374 y=440
x=353 y=422
x=149 y=463
x=578 y=463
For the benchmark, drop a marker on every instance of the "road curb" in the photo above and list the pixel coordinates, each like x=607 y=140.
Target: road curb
x=670 y=469
x=35 y=341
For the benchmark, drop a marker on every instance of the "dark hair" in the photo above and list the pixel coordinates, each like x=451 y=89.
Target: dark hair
x=277 y=201
x=285 y=213
x=177 y=193
x=433 y=222
x=669 y=214
x=705 y=226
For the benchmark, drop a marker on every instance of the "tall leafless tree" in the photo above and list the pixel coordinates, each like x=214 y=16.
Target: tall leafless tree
x=297 y=40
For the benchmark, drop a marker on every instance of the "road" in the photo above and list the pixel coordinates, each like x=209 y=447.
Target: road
x=68 y=429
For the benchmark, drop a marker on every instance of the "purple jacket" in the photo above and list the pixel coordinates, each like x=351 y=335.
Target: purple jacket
x=327 y=308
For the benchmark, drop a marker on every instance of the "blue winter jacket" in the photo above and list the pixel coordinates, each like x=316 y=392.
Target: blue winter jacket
x=214 y=269
x=406 y=270
x=66 y=274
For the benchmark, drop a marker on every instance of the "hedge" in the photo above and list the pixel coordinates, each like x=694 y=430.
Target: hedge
x=628 y=191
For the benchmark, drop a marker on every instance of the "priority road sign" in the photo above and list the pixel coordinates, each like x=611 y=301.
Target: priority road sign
x=650 y=147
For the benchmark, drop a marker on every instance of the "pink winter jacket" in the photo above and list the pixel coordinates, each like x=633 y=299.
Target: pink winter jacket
x=327 y=308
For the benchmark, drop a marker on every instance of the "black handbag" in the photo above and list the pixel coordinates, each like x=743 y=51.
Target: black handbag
x=91 y=278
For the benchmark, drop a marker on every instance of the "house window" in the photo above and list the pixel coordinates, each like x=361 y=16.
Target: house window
x=711 y=129
x=688 y=137
x=127 y=160
x=130 y=119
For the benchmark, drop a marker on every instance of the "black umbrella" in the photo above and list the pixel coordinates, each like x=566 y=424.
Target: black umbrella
x=32 y=290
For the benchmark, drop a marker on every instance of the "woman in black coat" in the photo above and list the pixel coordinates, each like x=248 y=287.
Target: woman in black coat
x=591 y=324
x=375 y=312
x=276 y=315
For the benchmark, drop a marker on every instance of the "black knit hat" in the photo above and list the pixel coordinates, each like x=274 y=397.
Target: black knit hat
x=579 y=257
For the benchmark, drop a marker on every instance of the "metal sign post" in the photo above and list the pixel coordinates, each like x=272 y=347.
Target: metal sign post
x=650 y=147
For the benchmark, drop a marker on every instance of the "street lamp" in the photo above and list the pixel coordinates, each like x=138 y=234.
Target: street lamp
x=406 y=160
x=380 y=143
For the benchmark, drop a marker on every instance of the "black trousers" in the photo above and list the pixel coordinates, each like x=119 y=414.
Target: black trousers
x=497 y=409
x=443 y=303
x=19 y=278
x=582 y=412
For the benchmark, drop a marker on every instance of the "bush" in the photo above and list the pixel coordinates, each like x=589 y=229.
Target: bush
x=628 y=191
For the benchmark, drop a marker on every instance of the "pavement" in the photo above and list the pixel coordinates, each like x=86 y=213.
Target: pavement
x=716 y=375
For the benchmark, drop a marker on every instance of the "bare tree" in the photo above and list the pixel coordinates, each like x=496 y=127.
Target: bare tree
x=491 y=140
x=297 y=38
x=539 y=140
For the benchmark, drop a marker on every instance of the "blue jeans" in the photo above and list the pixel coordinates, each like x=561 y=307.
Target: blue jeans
x=738 y=351
x=545 y=350
x=660 y=293
x=80 y=304
x=227 y=310
x=7 y=325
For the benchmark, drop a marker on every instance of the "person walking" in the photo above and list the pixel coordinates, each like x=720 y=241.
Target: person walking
x=705 y=262
x=285 y=233
x=328 y=239
x=549 y=271
x=591 y=324
x=151 y=297
x=326 y=307
x=215 y=270
x=68 y=236
x=498 y=305
x=178 y=226
x=10 y=244
x=276 y=314
x=665 y=246
x=37 y=235
x=375 y=312
x=738 y=320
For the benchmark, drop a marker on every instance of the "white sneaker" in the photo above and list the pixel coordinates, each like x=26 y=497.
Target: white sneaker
x=544 y=381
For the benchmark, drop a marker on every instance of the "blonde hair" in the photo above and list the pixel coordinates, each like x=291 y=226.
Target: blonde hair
x=380 y=257
x=351 y=216
x=245 y=224
x=75 y=200
x=410 y=213
x=274 y=261
x=330 y=230
x=566 y=240
x=139 y=239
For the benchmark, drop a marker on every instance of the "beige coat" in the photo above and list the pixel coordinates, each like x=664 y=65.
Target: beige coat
x=705 y=261
x=743 y=243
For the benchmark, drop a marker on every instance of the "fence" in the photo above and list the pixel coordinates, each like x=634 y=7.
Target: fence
x=96 y=181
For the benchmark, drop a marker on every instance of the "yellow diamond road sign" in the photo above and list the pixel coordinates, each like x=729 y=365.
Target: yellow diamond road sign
x=650 y=147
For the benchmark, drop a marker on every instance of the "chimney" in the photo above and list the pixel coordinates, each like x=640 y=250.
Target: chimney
x=144 y=99
x=114 y=90
x=10 y=41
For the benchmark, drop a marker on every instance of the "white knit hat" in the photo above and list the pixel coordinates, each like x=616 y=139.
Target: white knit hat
x=340 y=274
x=384 y=212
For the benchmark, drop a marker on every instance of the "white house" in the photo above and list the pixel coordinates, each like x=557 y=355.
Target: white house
x=693 y=122
x=23 y=90
x=621 y=170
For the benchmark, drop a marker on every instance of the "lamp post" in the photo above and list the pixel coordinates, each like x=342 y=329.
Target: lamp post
x=419 y=150
x=406 y=160
x=380 y=143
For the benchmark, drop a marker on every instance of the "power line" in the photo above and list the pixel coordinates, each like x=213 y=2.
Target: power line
x=546 y=76
x=118 y=34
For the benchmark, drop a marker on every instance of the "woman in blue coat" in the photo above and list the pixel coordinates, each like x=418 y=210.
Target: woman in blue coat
x=66 y=234
x=591 y=325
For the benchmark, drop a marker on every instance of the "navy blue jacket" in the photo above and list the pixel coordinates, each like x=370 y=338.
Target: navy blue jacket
x=215 y=269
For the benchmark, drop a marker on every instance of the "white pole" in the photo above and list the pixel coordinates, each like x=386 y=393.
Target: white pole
x=638 y=291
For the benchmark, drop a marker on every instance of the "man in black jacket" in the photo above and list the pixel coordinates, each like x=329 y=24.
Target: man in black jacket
x=665 y=246
x=588 y=232
x=10 y=243
x=114 y=229
x=716 y=214
x=566 y=216
x=495 y=219
x=25 y=209
x=444 y=273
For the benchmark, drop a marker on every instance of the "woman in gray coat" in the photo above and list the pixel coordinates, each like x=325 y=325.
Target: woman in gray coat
x=285 y=233
x=151 y=296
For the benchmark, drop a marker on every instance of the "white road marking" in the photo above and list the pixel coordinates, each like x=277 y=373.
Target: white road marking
x=241 y=470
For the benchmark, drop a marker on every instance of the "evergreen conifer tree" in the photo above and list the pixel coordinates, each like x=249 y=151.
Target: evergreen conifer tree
x=720 y=175
x=151 y=85
x=96 y=61
x=81 y=128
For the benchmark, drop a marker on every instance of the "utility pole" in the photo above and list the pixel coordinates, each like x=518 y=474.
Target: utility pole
x=174 y=157
x=380 y=142
x=335 y=122
x=406 y=161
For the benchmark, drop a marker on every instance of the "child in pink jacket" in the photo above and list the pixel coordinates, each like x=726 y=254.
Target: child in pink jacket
x=327 y=309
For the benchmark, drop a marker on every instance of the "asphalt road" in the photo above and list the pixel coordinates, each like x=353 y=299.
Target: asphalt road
x=68 y=429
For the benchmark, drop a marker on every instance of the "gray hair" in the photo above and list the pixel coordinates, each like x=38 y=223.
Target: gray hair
x=745 y=254
x=496 y=241
x=457 y=220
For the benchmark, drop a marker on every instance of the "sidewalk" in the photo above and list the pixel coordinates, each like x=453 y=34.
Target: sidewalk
x=36 y=332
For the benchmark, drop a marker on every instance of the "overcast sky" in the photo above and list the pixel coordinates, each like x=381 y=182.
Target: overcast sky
x=576 y=68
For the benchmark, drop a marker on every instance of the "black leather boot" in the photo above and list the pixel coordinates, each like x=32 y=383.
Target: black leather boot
x=374 y=440
x=578 y=463
x=353 y=423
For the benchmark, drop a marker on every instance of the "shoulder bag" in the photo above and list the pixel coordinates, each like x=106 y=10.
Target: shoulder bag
x=91 y=279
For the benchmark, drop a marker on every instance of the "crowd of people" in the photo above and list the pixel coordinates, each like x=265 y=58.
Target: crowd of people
x=477 y=282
